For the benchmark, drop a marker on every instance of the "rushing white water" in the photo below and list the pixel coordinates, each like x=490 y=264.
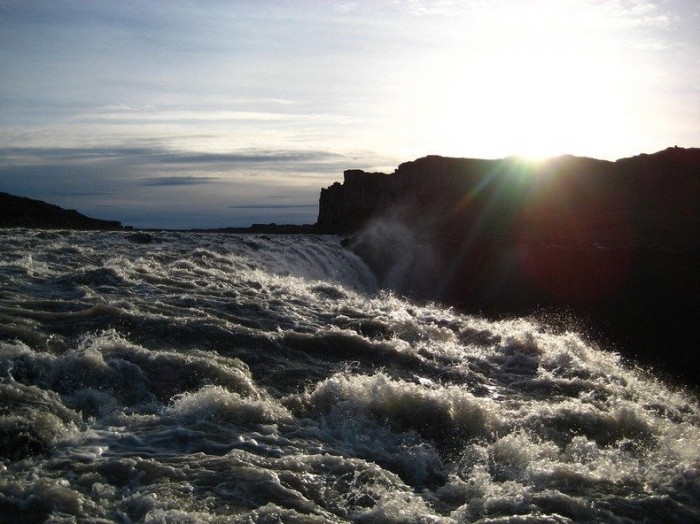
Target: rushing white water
x=225 y=378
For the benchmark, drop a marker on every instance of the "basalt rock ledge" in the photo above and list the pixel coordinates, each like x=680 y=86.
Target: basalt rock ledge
x=645 y=191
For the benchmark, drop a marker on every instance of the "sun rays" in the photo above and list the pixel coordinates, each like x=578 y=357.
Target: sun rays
x=535 y=82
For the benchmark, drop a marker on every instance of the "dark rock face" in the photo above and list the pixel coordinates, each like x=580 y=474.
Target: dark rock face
x=647 y=191
x=25 y=212
x=616 y=244
x=347 y=207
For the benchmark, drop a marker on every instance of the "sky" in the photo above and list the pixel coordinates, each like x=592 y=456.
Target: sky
x=184 y=113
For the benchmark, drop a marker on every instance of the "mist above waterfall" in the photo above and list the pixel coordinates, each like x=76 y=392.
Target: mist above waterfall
x=402 y=259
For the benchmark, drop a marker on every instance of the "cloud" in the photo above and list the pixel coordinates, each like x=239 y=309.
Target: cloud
x=167 y=115
x=32 y=156
x=436 y=7
x=253 y=157
x=275 y=206
x=177 y=181
x=135 y=155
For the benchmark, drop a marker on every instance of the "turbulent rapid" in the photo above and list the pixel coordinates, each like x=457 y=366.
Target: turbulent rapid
x=242 y=378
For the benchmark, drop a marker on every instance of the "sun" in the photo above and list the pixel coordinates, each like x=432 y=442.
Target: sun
x=535 y=86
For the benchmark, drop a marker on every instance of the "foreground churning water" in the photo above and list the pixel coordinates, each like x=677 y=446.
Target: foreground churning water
x=224 y=378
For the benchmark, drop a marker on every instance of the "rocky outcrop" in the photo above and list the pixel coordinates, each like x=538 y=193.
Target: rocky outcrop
x=509 y=196
x=615 y=244
x=18 y=211
x=344 y=208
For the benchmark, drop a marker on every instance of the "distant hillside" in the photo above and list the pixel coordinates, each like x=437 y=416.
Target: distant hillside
x=18 y=211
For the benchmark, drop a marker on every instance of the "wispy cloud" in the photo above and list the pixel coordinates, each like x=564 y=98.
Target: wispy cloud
x=27 y=156
x=176 y=181
x=438 y=7
x=275 y=206
x=208 y=115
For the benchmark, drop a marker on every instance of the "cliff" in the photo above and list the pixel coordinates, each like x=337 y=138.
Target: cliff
x=456 y=192
x=614 y=244
x=18 y=211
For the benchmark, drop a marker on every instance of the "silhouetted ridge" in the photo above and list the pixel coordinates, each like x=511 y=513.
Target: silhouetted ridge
x=18 y=211
x=452 y=189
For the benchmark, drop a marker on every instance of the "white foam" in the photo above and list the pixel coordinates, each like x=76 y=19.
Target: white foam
x=206 y=377
x=218 y=404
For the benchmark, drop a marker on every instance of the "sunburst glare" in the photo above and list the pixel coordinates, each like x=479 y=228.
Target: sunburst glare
x=535 y=83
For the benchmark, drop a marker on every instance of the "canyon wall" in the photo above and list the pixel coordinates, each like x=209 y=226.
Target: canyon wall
x=615 y=245
x=504 y=196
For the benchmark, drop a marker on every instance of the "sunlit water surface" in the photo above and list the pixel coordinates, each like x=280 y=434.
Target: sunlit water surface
x=215 y=378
